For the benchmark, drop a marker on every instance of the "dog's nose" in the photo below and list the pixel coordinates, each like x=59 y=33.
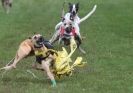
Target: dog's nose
x=74 y=13
x=41 y=39
x=68 y=29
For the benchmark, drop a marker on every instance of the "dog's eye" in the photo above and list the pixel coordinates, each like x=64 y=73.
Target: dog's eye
x=70 y=24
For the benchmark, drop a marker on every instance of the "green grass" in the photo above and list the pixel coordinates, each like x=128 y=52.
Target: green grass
x=109 y=46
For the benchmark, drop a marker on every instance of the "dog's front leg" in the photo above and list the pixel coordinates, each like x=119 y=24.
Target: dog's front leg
x=56 y=34
x=55 y=37
x=57 y=27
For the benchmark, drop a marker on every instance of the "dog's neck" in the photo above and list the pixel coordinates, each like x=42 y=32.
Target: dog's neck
x=36 y=46
x=72 y=17
x=68 y=16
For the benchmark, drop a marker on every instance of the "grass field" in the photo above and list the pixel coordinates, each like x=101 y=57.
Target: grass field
x=109 y=46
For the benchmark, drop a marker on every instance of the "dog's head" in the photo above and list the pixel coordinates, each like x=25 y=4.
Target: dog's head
x=67 y=24
x=73 y=8
x=38 y=40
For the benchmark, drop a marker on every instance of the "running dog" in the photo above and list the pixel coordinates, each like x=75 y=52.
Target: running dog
x=26 y=48
x=69 y=26
x=7 y=4
x=55 y=63
x=44 y=57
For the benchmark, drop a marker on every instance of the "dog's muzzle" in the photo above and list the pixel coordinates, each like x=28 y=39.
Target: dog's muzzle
x=39 y=42
x=74 y=13
x=68 y=29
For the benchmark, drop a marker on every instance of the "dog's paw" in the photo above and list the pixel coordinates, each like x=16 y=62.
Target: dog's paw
x=7 y=68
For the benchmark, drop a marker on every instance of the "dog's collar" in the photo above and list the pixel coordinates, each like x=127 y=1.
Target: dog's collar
x=37 y=46
x=62 y=31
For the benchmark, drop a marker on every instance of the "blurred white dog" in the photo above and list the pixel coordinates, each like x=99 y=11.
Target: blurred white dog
x=69 y=26
x=7 y=4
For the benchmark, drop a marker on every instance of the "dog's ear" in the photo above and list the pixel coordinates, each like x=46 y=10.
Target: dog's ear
x=63 y=19
x=70 y=7
x=29 y=37
x=77 y=6
x=35 y=37
x=70 y=4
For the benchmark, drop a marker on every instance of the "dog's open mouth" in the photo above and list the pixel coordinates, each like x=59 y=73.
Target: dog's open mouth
x=68 y=29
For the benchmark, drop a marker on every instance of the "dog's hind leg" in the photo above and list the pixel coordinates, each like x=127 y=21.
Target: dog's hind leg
x=83 y=51
x=77 y=30
x=22 y=52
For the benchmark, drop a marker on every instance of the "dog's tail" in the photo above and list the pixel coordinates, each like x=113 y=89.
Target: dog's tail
x=88 y=15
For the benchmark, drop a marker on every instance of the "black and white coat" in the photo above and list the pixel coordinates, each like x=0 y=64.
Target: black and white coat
x=73 y=18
